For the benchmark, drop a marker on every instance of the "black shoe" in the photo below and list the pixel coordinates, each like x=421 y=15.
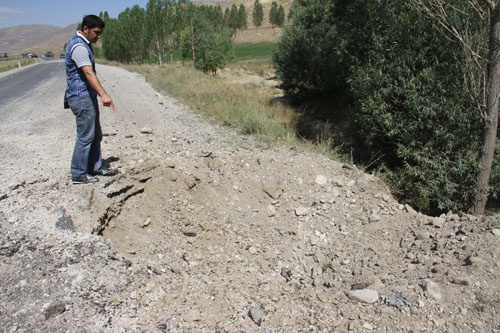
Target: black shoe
x=106 y=172
x=86 y=179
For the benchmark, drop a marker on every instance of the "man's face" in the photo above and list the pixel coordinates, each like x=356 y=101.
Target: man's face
x=93 y=35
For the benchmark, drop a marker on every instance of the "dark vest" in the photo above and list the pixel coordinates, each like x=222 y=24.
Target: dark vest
x=77 y=82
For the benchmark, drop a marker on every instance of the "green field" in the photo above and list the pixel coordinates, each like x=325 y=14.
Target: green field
x=246 y=51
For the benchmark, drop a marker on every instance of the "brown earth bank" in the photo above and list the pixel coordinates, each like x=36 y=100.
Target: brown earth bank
x=207 y=230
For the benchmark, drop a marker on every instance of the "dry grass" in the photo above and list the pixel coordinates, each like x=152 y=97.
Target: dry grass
x=249 y=106
x=246 y=107
x=8 y=64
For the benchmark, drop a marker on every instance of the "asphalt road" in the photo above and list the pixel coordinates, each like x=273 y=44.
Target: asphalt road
x=22 y=82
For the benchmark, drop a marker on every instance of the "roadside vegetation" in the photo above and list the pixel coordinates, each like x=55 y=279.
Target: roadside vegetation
x=410 y=84
x=8 y=64
x=250 y=108
x=403 y=89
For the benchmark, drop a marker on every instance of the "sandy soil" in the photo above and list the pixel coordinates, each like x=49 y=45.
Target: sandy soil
x=204 y=230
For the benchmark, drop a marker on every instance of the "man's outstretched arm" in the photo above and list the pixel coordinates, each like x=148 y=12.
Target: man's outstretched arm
x=96 y=85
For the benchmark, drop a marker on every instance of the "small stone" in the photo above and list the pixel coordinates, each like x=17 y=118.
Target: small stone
x=286 y=273
x=115 y=299
x=338 y=182
x=128 y=136
x=321 y=180
x=363 y=295
x=374 y=218
x=173 y=140
x=462 y=280
x=423 y=235
x=175 y=268
x=147 y=222
x=438 y=222
x=147 y=130
x=274 y=190
x=495 y=232
x=475 y=261
x=301 y=211
x=322 y=297
x=54 y=309
x=3 y=196
x=432 y=289
x=397 y=300
x=252 y=250
x=15 y=186
x=190 y=182
x=189 y=232
x=271 y=211
x=410 y=209
x=368 y=326
x=256 y=315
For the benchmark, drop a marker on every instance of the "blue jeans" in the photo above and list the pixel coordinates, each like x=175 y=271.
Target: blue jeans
x=87 y=158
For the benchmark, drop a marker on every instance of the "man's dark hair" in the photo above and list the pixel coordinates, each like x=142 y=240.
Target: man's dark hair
x=92 y=21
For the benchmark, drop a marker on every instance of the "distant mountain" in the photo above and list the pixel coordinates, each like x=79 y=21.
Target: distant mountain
x=37 y=38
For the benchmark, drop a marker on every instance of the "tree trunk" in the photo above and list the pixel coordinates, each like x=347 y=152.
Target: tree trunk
x=491 y=121
x=192 y=45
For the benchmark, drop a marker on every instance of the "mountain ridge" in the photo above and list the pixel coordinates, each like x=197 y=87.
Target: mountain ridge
x=37 y=38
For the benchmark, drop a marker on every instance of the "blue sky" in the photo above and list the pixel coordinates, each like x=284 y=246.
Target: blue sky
x=60 y=13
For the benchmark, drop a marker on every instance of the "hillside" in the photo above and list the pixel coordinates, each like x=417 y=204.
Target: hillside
x=36 y=38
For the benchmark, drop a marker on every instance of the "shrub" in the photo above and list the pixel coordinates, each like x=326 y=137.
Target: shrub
x=402 y=82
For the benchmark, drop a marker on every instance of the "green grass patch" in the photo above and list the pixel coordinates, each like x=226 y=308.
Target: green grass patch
x=254 y=51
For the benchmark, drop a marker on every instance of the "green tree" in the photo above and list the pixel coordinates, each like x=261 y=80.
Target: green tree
x=227 y=15
x=233 y=21
x=158 y=26
x=481 y=71
x=242 y=18
x=402 y=83
x=257 y=14
x=290 y=15
x=214 y=50
x=280 y=16
x=273 y=14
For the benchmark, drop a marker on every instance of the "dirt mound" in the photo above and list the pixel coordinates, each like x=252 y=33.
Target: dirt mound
x=206 y=230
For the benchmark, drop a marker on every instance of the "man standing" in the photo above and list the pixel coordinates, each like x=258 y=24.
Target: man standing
x=81 y=95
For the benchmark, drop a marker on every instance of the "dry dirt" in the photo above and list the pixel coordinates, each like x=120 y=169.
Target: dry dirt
x=204 y=230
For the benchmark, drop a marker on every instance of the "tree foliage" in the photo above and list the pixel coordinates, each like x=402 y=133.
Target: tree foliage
x=403 y=84
x=234 y=19
x=273 y=14
x=280 y=16
x=154 y=33
x=242 y=18
x=257 y=14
